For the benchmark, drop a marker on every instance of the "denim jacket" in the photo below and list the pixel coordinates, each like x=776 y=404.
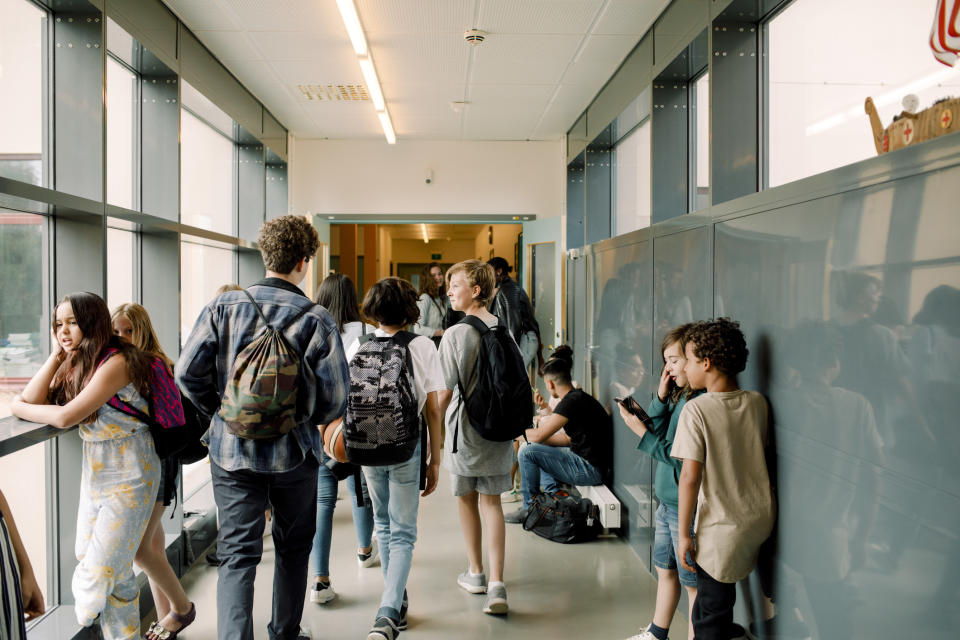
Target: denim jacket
x=228 y=324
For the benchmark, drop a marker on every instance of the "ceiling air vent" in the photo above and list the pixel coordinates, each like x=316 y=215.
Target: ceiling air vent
x=475 y=36
x=334 y=92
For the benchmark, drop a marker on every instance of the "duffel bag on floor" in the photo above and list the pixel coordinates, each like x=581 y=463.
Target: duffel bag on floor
x=565 y=519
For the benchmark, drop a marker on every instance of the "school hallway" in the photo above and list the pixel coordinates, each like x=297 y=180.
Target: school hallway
x=595 y=590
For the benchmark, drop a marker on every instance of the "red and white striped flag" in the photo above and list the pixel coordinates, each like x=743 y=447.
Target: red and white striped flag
x=945 y=35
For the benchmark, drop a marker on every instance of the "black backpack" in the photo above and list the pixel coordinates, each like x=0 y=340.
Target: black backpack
x=564 y=519
x=382 y=424
x=500 y=407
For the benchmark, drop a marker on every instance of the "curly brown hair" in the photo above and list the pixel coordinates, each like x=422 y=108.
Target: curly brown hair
x=285 y=241
x=721 y=341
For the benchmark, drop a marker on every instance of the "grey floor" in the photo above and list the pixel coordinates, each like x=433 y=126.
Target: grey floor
x=595 y=590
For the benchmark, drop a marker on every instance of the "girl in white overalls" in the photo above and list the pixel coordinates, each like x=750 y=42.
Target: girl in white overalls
x=121 y=470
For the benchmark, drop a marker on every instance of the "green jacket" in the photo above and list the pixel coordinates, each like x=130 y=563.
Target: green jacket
x=657 y=442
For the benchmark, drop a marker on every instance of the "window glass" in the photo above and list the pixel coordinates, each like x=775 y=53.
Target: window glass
x=631 y=181
x=206 y=176
x=24 y=344
x=121 y=135
x=701 y=122
x=22 y=27
x=120 y=266
x=816 y=115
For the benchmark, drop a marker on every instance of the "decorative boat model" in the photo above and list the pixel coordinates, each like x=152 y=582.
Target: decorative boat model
x=910 y=128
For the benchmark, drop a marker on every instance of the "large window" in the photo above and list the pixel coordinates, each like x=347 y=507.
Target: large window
x=816 y=116
x=121 y=135
x=631 y=181
x=22 y=27
x=121 y=263
x=206 y=164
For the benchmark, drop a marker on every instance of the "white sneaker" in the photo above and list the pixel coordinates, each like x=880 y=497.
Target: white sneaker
x=510 y=496
x=369 y=559
x=322 y=593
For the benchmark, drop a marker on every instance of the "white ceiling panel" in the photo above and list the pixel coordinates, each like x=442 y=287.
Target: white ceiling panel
x=597 y=51
x=629 y=17
x=516 y=59
x=338 y=68
x=402 y=58
x=230 y=45
x=541 y=65
x=293 y=45
x=282 y=15
x=415 y=16
x=538 y=16
x=204 y=14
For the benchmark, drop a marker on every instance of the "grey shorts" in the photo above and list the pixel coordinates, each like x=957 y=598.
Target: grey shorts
x=488 y=485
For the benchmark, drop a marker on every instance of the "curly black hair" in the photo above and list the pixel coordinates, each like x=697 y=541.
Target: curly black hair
x=285 y=241
x=391 y=301
x=722 y=342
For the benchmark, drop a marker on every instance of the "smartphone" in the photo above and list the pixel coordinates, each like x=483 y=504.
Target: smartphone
x=633 y=407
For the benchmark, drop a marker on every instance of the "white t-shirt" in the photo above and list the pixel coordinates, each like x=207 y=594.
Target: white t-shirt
x=352 y=332
x=427 y=375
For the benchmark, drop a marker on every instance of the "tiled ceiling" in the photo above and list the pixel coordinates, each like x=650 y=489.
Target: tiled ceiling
x=541 y=65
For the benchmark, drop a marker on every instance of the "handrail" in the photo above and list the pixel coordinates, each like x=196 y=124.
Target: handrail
x=17 y=434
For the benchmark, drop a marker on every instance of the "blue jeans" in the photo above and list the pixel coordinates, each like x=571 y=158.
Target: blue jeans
x=666 y=541
x=242 y=496
x=395 y=494
x=541 y=461
x=327 y=486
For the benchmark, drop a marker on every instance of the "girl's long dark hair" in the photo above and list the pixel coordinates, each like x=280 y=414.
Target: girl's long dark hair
x=337 y=295
x=428 y=285
x=93 y=318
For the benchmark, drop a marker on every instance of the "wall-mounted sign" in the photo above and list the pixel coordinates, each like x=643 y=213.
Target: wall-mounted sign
x=436 y=256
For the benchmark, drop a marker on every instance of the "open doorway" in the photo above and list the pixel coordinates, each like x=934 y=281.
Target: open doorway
x=368 y=252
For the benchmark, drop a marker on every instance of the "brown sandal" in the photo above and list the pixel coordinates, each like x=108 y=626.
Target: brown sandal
x=157 y=632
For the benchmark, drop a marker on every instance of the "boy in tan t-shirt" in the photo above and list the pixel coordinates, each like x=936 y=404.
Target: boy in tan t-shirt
x=722 y=438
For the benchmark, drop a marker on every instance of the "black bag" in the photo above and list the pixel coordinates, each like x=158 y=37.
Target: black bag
x=565 y=519
x=196 y=426
x=166 y=441
x=500 y=407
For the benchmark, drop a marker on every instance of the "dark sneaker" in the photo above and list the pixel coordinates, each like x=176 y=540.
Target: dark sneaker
x=402 y=624
x=515 y=517
x=496 y=600
x=384 y=629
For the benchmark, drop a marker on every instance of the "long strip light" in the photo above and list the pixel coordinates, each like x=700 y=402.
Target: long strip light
x=426 y=236
x=351 y=20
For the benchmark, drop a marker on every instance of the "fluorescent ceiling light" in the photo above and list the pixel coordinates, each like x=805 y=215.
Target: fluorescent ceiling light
x=373 y=83
x=426 y=236
x=354 y=29
x=387 y=127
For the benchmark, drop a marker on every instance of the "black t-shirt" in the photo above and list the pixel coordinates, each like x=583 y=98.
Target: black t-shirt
x=589 y=428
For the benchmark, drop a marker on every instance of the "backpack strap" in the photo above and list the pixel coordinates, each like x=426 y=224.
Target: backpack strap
x=482 y=327
x=294 y=318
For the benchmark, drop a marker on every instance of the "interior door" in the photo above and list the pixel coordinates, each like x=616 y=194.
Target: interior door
x=542 y=278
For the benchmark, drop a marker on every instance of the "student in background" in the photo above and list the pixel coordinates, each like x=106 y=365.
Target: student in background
x=131 y=323
x=433 y=303
x=394 y=489
x=480 y=469
x=573 y=444
x=664 y=410
x=722 y=439
x=19 y=592
x=512 y=307
x=338 y=296
x=118 y=486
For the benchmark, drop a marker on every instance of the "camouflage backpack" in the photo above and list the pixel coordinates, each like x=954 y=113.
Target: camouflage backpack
x=260 y=399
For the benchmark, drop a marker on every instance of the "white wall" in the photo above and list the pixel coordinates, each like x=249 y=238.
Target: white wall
x=372 y=177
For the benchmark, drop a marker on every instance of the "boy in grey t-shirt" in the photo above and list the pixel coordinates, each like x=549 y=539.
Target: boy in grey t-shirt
x=480 y=469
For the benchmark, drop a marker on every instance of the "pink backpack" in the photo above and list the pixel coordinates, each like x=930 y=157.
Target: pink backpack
x=165 y=405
